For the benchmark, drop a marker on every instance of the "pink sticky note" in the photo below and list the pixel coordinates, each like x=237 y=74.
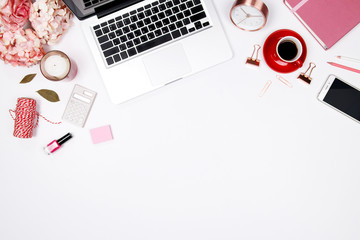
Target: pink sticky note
x=101 y=134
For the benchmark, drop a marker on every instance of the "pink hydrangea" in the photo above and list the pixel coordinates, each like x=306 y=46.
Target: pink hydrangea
x=50 y=19
x=20 y=47
x=14 y=13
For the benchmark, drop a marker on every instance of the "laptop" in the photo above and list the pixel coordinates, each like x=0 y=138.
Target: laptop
x=142 y=45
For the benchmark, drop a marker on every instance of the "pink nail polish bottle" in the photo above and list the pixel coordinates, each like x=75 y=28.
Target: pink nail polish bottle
x=56 y=144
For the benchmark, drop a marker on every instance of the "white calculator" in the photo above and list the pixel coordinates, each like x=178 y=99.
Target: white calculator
x=79 y=105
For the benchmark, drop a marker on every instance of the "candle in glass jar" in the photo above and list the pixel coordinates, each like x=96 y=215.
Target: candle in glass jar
x=56 y=65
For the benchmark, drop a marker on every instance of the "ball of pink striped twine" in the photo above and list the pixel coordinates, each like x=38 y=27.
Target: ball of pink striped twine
x=25 y=115
x=26 y=118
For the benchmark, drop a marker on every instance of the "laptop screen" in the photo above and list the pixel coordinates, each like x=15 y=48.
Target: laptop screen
x=86 y=8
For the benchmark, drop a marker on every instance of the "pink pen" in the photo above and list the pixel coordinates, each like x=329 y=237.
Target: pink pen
x=56 y=144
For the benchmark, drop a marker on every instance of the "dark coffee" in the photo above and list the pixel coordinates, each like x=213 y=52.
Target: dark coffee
x=287 y=50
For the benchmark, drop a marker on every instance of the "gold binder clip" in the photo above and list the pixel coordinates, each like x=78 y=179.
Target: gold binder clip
x=307 y=78
x=254 y=61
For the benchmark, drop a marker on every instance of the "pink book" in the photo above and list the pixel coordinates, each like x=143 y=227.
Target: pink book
x=327 y=20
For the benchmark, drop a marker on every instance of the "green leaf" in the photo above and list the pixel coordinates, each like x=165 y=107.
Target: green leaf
x=49 y=95
x=28 y=78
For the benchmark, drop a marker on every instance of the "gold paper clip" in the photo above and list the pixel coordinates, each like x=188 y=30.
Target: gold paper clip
x=284 y=81
x=265 y=88
x=307 y=78
x=254 y=61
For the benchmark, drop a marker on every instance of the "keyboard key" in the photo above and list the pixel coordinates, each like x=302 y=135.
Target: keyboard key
x=116 y=41
x=112 y=27
x=118 y=18
x=112 y=35
x=191 y=29
x=124 y=55
x=173 y=19
x=111 y=51
x=196 y=9
x=196 y=2
x=169 y=4
x=125 y=15
x=103 y=39
x=162 y=7
x=186 y=21
x=106 y=30
x=129 y=44
x=140 y=9
x=182 y=6
x=175 y=9
x=119 y=24
x=172 y=27
x=137 y=33
x=179 y=24
x=151 y=27
x=136 y=41
x=133 y=18
x=176 y=34
x=147 y=21
x=96 y=27
x=155 y=10
x=144 y=30
x=133 y=27
x=106 y=45
x=180 y=16
x=184 y=31
x=165 y=30
x=154 y=18
x=153 y=43
x=132 y=12
x=141 y=16
x=197 y=17
x=110 y=61
x=166 y=21
x=140 y=24
x=104 y=24
x=168 y=12
x=198 y=25
x=158 y=24
x=98 y=33
x=158 y=33
x=143 y=38
x=206 y=24
x=127 y=21
x=111 y=21
x=130 y=36
x=151 y=36
x=189 y=4
x=148 y=13
x=161 y=15
x=187 y=13
x=155 y=3
x=131 y=52
x=117 y=58
x=126 y=30
x=147 y=6
x=118 y=32
x=122 y=47
x=176 y=2
x=123 y=39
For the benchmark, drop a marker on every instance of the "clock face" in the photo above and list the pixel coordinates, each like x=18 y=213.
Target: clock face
x=247 y=17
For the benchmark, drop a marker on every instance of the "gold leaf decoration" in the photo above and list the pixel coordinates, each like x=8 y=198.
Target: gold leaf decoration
x=49 y=95
x=28 y=78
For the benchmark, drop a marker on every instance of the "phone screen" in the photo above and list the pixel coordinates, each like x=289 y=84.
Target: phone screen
x=345 y=98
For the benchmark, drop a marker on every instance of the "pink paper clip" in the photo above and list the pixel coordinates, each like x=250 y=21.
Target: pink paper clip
x=284 y=81
x=265 y=88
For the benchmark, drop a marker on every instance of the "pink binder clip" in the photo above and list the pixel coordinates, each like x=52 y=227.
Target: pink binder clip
x=254 y=61
x=307 y=78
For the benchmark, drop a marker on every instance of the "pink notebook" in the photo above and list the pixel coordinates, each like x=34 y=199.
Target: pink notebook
x=327 y=20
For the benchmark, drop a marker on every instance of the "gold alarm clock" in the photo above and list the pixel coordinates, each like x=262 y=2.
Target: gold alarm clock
x=249 y=15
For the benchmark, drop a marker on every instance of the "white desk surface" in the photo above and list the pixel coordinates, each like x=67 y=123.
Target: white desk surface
x=203 y=158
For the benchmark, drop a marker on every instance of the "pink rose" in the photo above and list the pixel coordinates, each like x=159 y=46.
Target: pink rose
x=14 y=13
x=20 y=47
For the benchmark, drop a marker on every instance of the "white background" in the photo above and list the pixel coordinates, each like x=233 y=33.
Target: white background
x=203 y=158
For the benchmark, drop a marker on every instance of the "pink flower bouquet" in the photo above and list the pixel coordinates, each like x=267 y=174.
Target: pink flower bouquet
x=20 y=47
x=49 y=20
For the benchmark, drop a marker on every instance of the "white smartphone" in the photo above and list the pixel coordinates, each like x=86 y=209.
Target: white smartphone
x=342 y=97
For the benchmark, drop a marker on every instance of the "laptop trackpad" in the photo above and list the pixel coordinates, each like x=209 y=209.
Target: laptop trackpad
x=167 y=65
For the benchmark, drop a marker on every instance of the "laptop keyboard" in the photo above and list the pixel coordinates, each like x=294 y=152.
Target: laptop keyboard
x=150 y=26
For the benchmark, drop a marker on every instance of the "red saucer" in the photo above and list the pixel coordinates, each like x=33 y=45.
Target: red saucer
x=271 y=57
